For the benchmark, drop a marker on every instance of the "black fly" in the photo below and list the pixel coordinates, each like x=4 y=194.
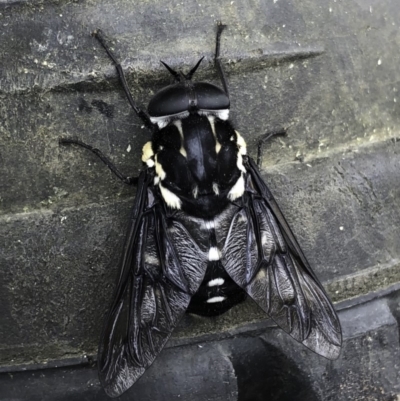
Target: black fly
x=205 y=232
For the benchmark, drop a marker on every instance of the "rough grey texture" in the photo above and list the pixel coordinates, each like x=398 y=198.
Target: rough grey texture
x=326 y=71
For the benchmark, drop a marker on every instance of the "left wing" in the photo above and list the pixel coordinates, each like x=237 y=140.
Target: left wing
x=264 y=258
x=162 y=267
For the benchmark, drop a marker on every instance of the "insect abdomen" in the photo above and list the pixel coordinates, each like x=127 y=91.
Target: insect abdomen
x=218 y=292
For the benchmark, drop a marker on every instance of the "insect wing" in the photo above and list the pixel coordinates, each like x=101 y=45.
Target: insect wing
x=152 y=293
x=263 y=257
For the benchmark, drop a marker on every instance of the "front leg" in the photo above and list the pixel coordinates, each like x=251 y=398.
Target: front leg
x=141 y=113
x=102 y=157
x=217 y=59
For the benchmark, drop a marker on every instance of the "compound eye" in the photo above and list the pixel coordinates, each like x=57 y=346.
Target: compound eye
x=171 y=100
x=210 y=97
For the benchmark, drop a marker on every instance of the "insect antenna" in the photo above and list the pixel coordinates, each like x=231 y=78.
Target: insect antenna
x=190 y=74
x=175 y=74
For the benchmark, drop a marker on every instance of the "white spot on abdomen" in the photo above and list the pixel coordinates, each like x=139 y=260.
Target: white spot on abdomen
x=215 y=282
x=215 y=299
x=151 y=260
x=213 y=254
x=208 y=225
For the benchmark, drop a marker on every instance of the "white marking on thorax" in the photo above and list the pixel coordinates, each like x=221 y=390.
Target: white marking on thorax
x=221 y=114
x=159 y=170
x=211 y=120
x=178 y=124
x=214 y=254
x=237 y=190
x=216 y=282
x=239 y=163
x=215 y=299
x=242 y=150
x=241 y=143
x=163 y=121
x=169 y=197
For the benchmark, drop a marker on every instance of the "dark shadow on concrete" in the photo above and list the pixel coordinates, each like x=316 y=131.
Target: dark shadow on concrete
x=265 y=373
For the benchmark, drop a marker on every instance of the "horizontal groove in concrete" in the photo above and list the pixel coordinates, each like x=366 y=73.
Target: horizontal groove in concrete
x=151 y=69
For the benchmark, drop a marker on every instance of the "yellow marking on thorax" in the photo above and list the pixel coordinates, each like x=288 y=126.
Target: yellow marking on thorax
x=211 y=119
x=178 y=124
x=148 y=154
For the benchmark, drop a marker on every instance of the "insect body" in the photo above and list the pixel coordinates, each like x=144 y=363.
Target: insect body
x=205 y=232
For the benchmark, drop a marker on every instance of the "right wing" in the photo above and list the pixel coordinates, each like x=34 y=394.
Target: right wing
x=263 y=257
x=162 y=267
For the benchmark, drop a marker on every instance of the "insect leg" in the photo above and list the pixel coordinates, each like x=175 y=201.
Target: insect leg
x=142 y=114
x=217 y=60
x=263 y=139
x=102 y=157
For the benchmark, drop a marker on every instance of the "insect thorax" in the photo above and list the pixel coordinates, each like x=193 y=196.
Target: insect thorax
x=198 y=163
